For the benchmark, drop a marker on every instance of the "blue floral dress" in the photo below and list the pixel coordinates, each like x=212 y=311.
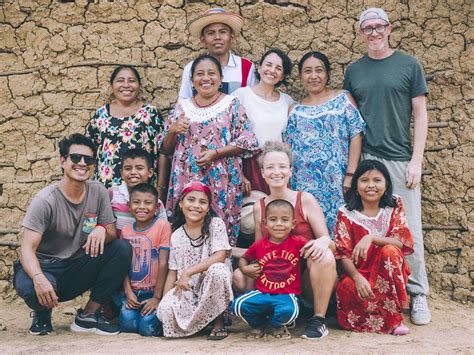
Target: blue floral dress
x=114 y=136
x=319 y=137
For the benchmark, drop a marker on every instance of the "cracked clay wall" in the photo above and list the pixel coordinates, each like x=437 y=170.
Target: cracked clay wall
x=56 y=57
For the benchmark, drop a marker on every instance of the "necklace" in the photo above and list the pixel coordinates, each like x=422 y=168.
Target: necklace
x=195 y=243
x=212 y=102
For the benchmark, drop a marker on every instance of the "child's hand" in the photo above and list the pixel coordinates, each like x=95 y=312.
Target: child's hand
x=132 y=301
x=364 y=291
x=361 y=248
x=149 y=306
x=183 y=283
x=253 y=271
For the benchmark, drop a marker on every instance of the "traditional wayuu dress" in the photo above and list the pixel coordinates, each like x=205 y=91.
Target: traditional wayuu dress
x=187 y=312
x=214 y=127
x=385 y=268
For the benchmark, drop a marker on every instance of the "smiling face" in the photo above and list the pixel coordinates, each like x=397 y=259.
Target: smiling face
x=279 y=221
x=77 y=171
x=371 y=186
x=276 y=169
x=195 y=206
x=313 y=75
x=206 y=78
x=271 y=69
x=143 y=207
x=376 y=42
x=125 y=86
x=135 y=171
x=217 y=38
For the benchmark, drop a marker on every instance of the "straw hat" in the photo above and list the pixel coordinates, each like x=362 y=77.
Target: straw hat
x=247 y=223
x=215 y=15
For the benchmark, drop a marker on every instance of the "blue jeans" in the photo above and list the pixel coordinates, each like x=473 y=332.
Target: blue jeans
x=254 y=307
x=131 y=321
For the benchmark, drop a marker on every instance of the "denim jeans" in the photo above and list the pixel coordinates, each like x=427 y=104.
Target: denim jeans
x=131 y=320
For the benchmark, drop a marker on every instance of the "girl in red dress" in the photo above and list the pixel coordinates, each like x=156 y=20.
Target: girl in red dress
x=372 y=237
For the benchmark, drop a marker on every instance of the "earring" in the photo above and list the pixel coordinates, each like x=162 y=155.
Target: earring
x=220 y=86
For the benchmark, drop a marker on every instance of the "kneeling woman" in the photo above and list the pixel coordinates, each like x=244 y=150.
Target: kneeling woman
x=198 y=287
x=372 y=237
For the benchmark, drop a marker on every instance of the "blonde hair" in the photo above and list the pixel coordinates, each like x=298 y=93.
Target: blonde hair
x=275 y=146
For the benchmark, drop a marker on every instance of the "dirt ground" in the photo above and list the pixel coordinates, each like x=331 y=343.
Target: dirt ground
x=451 y=331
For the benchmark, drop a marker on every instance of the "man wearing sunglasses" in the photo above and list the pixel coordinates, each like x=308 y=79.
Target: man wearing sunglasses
x=69 y=245
x=390 y=87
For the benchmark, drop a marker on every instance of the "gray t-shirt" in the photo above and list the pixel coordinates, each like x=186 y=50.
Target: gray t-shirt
x=66 y=225
x=383 y=90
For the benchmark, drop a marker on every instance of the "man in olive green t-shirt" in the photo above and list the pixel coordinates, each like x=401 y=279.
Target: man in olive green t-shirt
x=389 y=88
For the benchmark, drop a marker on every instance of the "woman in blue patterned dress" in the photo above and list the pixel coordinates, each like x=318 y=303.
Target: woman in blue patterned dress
x=325 y=133
x=125 y=123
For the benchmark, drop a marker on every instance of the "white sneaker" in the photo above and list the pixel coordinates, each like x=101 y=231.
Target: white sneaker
x=420 y=313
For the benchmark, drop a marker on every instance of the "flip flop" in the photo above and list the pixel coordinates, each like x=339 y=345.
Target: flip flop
x=281 y=333
x=218 y=334
x=256 y=333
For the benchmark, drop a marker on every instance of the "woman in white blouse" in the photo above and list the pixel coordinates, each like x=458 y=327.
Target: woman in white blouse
x=267 y=110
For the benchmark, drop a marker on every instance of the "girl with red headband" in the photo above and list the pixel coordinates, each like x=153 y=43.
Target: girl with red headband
x=198 y=288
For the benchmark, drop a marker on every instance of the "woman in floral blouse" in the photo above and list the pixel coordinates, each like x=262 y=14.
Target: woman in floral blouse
x=125 y=123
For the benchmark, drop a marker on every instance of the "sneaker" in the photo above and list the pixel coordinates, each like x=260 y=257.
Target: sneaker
x=41 y=323
x=316 y=328
x=420 y=314
x=93 y=323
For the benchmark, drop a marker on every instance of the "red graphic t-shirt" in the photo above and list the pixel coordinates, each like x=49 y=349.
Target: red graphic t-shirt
x=280 y=264
x=146 y=247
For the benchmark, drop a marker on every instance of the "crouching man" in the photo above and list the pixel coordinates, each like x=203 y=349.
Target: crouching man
x=69 y=245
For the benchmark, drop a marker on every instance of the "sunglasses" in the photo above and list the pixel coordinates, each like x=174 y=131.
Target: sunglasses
x=76 y=158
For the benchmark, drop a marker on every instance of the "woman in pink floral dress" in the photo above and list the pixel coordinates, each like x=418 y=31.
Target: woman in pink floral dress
x=125 y=123
x=207 y=135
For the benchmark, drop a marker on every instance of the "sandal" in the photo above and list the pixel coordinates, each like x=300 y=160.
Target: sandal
x=281 y=333
x=218 y=334
x=401 y=329
x=256 y=333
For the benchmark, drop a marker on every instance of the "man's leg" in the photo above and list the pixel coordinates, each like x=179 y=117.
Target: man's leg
x=102 y=275
x=418 y=286
x=41 y=324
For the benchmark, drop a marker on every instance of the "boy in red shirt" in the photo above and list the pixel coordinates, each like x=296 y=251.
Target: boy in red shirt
x=277 y=274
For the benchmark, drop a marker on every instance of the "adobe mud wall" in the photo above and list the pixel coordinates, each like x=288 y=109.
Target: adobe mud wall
x=56 y=58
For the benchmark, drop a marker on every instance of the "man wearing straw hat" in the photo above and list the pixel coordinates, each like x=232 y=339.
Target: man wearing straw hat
x=216 y=29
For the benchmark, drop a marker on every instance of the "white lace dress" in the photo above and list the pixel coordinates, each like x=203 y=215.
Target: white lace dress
x=188 y=312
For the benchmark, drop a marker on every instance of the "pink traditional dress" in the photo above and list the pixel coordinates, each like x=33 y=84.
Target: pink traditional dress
x=224 y=123
x=385 y=268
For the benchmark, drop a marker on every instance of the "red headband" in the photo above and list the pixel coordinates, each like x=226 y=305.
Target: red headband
x=196 y=186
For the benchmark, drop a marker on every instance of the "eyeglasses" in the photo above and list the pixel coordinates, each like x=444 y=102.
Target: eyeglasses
x=369 y=30
x=76 y=158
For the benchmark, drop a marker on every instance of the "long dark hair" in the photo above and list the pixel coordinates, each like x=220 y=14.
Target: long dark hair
x=179 y=220
x=286 y=64
x=119 y=68
x=318 y=55
x=353 y=200
x=202 y=58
